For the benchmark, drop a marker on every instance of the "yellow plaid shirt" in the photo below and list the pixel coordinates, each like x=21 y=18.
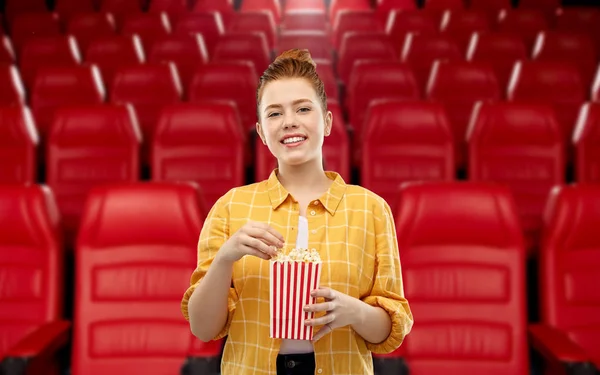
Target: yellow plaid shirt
x=354 y=232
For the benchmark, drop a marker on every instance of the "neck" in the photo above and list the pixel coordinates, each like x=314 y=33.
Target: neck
x=304 y=178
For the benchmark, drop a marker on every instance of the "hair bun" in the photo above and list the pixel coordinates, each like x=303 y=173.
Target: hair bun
x=301 y=55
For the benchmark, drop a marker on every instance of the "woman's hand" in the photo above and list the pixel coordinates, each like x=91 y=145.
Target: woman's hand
x=257 y=239
x=341 y=310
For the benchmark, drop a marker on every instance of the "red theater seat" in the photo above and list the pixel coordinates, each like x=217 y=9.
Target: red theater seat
x=587 y=138
x=227 y=81
x=304 y=5
x=203 y=143
x=136 y=248
x=422 y=50
x=13 y=90
x=335 y=6
x=500 y=50
x=14 y=8
x=305 y=19
x=148 y=87
x=373 y=80
x=148 y=26
x=520 y=146
x=476 y=323
x=223 y=8
x=363 y=46
x=58 y=87
x=405 y=140
x=385 y=7
x=250 y=46
x=71 y=8
x=173 y=8
x=348 y=20
x=109 y=53
x=120 y=9
x=492 y=8
x=207 y=23
x=569 y=301
x=572 y=48
x=43 y=52
x=18 y=143
x=558 y=84
x=7 y=52
x=525 y=22
x=461 y=24
x=402 y=22
x=326 y=73
x=86 y=27
x=33 y=25
x=317 y=42
x=272 y=6
x=459 y=86
x=31 y=265
x=255 y=21
x=90 y=146
x=186 y=51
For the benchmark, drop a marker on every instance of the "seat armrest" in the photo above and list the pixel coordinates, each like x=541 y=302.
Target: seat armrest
x=39 y=346
x=559 y=350
x=204 y=358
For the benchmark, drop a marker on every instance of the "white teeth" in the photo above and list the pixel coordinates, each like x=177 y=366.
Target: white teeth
x=293 y=140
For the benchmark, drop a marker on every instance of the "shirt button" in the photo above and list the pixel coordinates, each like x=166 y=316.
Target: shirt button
x=312 y=213
x=316 y=203
x=314 y=231
x=320 y=370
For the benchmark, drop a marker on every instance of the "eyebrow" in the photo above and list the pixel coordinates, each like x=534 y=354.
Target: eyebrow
x=295 y=102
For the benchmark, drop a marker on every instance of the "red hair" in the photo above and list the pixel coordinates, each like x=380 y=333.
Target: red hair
x=294 y=63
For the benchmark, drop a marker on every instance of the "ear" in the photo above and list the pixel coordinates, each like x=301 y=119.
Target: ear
x=328 y=123
x=260 y=133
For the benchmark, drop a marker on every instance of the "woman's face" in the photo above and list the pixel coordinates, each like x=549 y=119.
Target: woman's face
x=292 y=123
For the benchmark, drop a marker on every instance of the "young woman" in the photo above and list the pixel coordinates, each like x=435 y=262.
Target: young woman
x=360 y=305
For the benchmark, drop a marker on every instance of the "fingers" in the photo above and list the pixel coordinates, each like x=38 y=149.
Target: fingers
x=326 y=293
x=267 y=228
x=325 y=319
x=251 y=251
x=259 y=245
x=324 y=306
x=265 y=236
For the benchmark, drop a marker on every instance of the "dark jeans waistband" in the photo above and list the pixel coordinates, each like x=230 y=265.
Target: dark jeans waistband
x=296 y=364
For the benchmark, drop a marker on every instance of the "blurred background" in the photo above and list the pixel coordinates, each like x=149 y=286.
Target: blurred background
x=122 y=122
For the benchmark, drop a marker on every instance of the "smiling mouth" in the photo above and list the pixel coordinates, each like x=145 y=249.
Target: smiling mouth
x=293 y=140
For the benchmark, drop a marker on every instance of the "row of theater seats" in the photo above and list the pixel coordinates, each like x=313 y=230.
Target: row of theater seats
x=463 y=264
x=519 y=145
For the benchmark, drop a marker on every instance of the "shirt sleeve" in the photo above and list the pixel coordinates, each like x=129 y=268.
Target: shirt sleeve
x=388 y=291
x=213 y=235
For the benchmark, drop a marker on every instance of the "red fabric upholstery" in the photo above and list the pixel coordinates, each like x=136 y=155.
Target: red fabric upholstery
x=18 y=143
x=89 y=146
x=207 y=23
x=358 y=45
x=348 y=20
x=148 y=26
x=568 y=279
x=33 y=25
x=272 y=6
x=587 y=139
x=13 y=90
x=204 y=143
x=304 y=19
x=525 y=22
x=317 y=42
x=251 y=46
x=460 y=24
x=463 y=265
x=136 y=247
x=405 y=141
x=402 y=22
x=87 y=27
x=256 y=21
x=519 y=146
x=336 y=5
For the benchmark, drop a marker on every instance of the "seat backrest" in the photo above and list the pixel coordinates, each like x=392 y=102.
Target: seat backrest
x=33 y=25
x=354 y=20
x=70 y=8
x=556 y=83
x=121 y=8
x=272 y=6
x=458 y=86
x=256 y=21
x=520 y=146
x=304 y=19
x=335 y=6
x=31 y=261
x=86 y=27
x=207 y=23
x=7 y=52
x=18 y=143
x=317 y=42
x=223 y=8
x=147 y=87
x=185 y=51
x=326 y=72
x=55 y=87
x=203 y=143
x=13 y=90
x=336 y=147
x=42 y=52
x=523 y=21
x=587 y=138
x=459 y=24
x=405 y=140
x=235 y=81
x=401 y=22
x=136 y=246
x=251 y=46
x=148 y=26
x=113 y=51
x=500 y=50
x=89 y=146
x=577 y=48
x=569 y=299
x=359 y=45
x=463 y=266
x=372 y=80
x=420 y=51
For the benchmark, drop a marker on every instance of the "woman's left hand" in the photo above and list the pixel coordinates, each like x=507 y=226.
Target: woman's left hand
x=341 y=310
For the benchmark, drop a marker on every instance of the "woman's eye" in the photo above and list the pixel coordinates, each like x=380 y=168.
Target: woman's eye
x=304 y=109
x=273 y=114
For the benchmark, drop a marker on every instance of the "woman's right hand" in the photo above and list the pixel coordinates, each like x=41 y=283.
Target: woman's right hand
x=257 y=239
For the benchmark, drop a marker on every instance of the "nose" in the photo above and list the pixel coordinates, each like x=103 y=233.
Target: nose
x=289 y=121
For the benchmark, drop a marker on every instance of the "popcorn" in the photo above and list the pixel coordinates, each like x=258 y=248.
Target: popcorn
x=292 y=277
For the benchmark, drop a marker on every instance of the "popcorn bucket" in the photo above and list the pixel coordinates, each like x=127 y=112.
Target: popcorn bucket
x=291 y=283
